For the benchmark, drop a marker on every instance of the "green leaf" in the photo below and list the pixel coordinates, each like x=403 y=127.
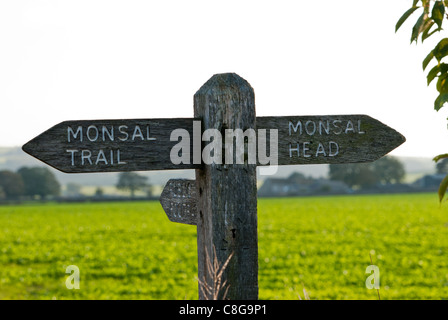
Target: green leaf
x=440 y=157
x=442 y=84
x=443 y=68
x=428 y=59
x=432 y=74
x=438 y=10
x=417 y=28
x=426 y=28
x=441 y=49
x=404 y=17
x=441 y=99
x=432 y=32
x=442 y=188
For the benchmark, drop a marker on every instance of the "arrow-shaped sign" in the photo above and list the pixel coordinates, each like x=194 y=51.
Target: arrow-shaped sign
x=331 y=139
x=179 y=200
x=147 y=144
x=109 y=145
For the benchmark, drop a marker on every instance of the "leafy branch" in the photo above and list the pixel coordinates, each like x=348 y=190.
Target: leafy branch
x=428 y=23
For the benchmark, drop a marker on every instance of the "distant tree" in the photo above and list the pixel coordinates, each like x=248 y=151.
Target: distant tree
x=2 y=193
x=442 y=166
x=353 y=174
x=131 y=181
x=385 y=170
x=389 y=170
x=39 y=181
x=99 y=192
x=11 y=184
x=297 y=177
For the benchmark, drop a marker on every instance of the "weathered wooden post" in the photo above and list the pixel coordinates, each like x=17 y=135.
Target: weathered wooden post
x=227 y=199
x=222 y=201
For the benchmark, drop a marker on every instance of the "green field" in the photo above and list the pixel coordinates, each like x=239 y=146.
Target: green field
x=131 y=250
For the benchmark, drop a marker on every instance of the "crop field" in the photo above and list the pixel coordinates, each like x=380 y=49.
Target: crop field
x=321 y=244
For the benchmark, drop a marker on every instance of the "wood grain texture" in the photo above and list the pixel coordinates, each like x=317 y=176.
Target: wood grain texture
x=179 y=201
x=227 y=222
x=137 y=149
x=330 y=139
x=357 y=138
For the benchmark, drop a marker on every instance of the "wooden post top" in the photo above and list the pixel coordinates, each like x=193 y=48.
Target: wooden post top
x=223 y=82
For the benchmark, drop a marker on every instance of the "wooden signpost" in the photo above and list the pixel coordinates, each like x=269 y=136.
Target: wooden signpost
x=222 y=200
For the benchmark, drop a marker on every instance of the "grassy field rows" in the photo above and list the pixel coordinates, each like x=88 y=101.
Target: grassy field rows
x=323 y=244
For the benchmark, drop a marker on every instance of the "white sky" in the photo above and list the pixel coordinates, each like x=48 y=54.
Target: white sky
x=69 y=60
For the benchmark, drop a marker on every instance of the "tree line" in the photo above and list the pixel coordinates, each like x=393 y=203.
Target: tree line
x=31 y=183
x=41 y=183
x=387 y=170
x=36 y=183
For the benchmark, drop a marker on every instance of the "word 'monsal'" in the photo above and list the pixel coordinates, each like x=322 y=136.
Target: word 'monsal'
x=303 y=130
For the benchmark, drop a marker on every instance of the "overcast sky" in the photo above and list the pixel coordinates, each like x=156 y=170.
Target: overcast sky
x=69 y=60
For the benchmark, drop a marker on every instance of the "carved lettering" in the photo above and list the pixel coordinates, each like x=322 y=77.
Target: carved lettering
x=87 y=157
x=97 y=133
x=318 y=149
x=325 y=127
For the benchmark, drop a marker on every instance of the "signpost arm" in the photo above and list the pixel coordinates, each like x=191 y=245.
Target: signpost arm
x=227 y=194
